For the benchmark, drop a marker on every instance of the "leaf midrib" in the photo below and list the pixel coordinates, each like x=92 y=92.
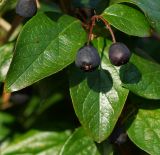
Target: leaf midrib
x=76 y=21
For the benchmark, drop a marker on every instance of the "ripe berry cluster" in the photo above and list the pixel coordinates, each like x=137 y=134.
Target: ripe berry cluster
x=87 y=57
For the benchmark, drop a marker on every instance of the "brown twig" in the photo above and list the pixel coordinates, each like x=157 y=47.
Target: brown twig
x=108 y=27
x=5 y=100
x=91 y=30
x=93 y=20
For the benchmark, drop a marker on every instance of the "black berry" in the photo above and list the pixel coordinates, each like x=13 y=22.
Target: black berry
x=119 y=54
x=87 y=58
x=26 y=8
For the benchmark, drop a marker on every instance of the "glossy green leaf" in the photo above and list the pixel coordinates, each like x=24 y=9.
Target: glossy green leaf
x=79 y=144
x=143 y=129
x=127 y=20
x=37 y=143
x=142 y=76
x=98 y=97
x=6 y=54
x=44 y=47
x=151 y=9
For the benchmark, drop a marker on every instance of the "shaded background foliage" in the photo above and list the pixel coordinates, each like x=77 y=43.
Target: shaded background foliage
x=54 y=107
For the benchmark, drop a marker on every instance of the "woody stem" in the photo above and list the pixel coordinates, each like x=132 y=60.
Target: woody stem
x=91 y=30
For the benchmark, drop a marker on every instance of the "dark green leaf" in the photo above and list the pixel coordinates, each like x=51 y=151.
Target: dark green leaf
x=5 y=121
x=98 y=97
x=37 y=106
x=79 y=144
x=141 y=76
x=50 y=6
x=44 y=47
x=87 y=3
x=143 y=129
x=6 y=5
x=6 y=54
x=106 y=148
x=37 y=143
x=127 y=20
x=151 y=9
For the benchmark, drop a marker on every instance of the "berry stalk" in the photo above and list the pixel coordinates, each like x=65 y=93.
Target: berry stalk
x=93 y=20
